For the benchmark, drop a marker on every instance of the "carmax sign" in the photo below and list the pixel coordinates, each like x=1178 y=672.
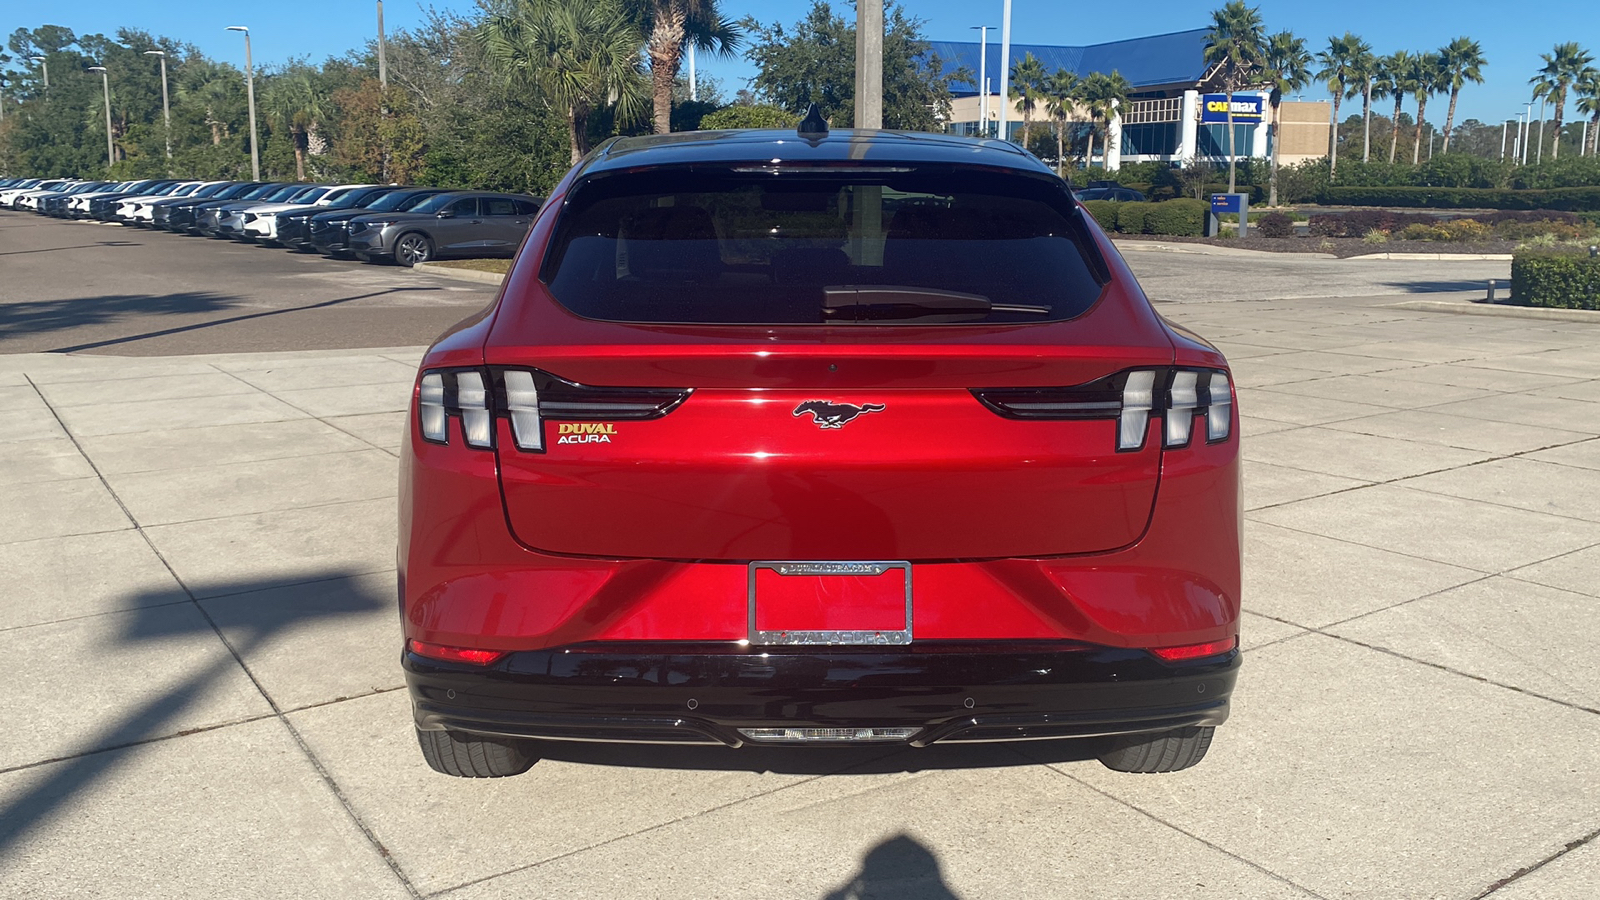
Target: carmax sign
x=1246 y=108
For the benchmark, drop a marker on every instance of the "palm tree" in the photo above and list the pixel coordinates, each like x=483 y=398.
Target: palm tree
x=1395 y=81
x=1588 y=91
x=579 y=55
x=1234 y=43
x=1103 y=95
x=211 y=87
x=1562 y=68
x=1288 y=69
x=1340 y=65
x=1463 y=61
x=1363 y=71
x=1062 y=91
x=1027 y=90
x=1427 y=79
x=670 y=26
x=298 y=100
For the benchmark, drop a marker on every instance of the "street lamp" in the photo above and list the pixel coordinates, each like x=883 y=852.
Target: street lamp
x=1540 y=157
x=105 y=80
x=1005 y=67
x=43 y=64
x=983 y=75
x=250 y=90
x=166 y=110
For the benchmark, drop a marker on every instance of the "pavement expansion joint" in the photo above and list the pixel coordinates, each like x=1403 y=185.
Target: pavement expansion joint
x=1055 y=767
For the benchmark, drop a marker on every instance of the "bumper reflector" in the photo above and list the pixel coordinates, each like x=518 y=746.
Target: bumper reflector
x=804 y=735
x=454 y=654
x=1194 y=651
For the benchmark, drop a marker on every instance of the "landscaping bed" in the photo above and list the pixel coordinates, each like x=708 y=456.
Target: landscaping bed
x=1340 y=247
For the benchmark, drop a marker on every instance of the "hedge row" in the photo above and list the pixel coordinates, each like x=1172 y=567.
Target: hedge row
x=1560 y=280
x=1180 y=218
x=1574 y=198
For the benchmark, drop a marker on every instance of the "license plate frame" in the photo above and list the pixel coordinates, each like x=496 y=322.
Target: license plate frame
x=872 y=637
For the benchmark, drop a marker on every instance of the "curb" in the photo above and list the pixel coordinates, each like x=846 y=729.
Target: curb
x=1469 y=308
x=1211 y=250
x=1469 y=257
x=462 y=274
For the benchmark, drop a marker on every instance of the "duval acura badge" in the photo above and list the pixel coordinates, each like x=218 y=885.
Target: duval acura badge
x=834 y=415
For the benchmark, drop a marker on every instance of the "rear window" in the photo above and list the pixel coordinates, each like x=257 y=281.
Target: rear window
x=832 y=245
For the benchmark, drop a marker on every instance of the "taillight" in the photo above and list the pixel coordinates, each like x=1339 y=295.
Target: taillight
x=1130 y=397
x=526 y=397
x=1194 y=651
x=454 y=654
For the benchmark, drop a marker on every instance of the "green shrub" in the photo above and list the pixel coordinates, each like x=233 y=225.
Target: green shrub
x=1463 y=230
x=1275 y=225
x=739 y=116
x=1104 y=212
x=1130 y=217
x=1375 y=236
x=1184 y=218
x=1421 y=232
x=1559 y=280
x=1565 y=198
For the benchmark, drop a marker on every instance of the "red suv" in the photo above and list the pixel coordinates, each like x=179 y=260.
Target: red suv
x=810 y=438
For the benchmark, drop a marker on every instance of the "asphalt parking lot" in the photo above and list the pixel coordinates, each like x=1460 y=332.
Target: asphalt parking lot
x=91 y=287
x=201 y=647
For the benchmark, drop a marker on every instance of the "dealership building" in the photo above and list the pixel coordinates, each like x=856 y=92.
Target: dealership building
x=1176 y=111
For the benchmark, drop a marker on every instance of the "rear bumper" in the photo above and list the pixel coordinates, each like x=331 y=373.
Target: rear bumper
x=695 y=693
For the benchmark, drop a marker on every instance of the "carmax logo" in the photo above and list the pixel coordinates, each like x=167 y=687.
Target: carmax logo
x=1242 y=109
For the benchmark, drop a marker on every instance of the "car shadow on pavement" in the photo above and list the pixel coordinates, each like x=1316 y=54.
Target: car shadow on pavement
x=901 y=866
x=38 y=316
x=212 y=323
x=77 y=772
x=1434 y=286
x=830 y=760
x=95 y=245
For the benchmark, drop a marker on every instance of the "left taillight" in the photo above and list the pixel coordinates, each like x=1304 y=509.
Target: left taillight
x=526 y=398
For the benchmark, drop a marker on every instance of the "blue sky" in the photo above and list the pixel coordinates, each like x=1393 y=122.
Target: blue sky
x=1512 y=35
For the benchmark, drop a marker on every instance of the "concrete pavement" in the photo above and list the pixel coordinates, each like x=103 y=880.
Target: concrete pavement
x=201 y=655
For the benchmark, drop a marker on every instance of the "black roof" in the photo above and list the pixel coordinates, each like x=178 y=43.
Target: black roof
x=787 y=146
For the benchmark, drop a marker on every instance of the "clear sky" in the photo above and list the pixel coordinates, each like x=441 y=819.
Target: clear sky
x=1512 y=34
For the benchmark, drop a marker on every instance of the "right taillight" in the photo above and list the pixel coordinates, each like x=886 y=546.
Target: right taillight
x=1132 y=398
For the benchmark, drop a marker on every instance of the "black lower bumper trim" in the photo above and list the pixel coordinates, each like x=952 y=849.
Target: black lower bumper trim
x=690 y=693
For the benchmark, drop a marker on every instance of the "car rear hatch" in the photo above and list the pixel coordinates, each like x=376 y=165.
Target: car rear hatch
x=856 y=366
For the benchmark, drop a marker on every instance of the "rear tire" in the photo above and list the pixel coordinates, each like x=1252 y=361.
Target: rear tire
x=1166 y=751
x=470 y=756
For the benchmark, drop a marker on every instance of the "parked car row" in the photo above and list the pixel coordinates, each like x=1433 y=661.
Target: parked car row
x=404 y=223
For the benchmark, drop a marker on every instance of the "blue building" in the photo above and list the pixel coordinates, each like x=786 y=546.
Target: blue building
x=1174 y=94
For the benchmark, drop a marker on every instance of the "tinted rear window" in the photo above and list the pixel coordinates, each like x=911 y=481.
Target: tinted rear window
x=822 y=246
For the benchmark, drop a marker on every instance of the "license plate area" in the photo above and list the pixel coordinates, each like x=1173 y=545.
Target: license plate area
x=830 y=602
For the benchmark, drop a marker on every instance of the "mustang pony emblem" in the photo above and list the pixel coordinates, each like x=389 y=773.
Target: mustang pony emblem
x=834 y=415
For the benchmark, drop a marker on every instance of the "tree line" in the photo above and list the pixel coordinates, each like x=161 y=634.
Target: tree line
x=509 y=96
x=506 y=97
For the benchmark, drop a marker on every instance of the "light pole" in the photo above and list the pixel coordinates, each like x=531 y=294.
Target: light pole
x=1505 y=128
x=869 y=64
x=105 y=80
x=1539 y=158
x=1005 y=67
x=1527 y=130
x=383 y=67
x=983 y=76
x=166 y=109
x=45 y=65
x=250 y=92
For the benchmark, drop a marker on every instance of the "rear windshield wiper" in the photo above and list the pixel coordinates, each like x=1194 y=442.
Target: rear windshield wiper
x=873 y=302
